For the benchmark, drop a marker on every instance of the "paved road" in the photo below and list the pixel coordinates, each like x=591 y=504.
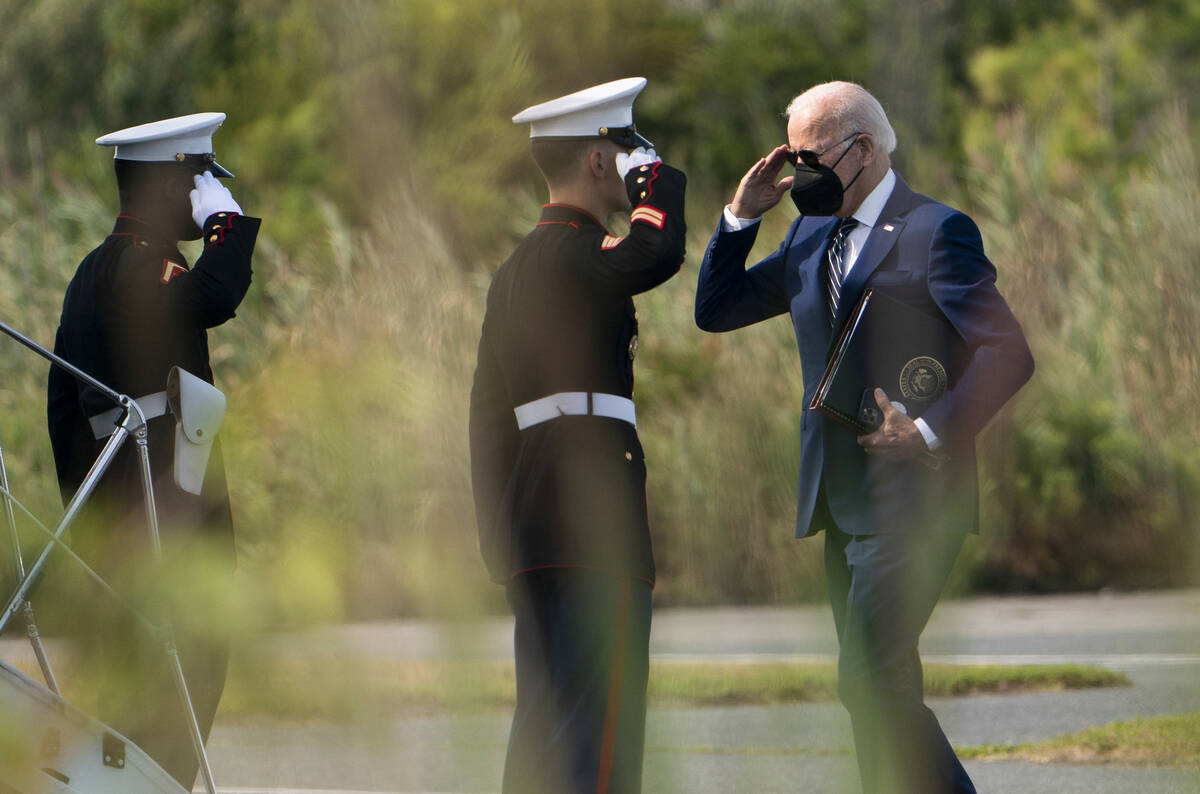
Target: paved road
x=1075 y=626
x=1155 y=638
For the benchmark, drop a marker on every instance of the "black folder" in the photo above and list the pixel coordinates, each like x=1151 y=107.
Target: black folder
x=913 y=356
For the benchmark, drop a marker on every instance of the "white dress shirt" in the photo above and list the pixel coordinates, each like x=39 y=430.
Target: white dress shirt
x=867 y=216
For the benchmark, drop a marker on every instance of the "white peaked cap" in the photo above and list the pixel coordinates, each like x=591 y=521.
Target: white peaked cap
x=166 y=140
x=584 y=114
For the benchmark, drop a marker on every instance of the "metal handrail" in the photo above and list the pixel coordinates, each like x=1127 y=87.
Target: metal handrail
x=133 y=420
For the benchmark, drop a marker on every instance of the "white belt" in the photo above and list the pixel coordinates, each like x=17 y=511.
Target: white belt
x=151 y=405
x=575 y=403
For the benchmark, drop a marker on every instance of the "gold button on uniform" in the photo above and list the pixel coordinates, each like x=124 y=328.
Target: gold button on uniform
x=212 y=238
x=628 y=456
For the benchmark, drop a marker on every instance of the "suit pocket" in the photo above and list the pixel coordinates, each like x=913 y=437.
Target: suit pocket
x=892 y=278
x=903 y=285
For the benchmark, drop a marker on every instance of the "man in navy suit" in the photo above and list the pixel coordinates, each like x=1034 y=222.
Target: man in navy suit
x=893 y=525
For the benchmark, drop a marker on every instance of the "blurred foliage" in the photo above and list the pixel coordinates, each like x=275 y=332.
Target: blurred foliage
x=375 y=140
x=1090 y=84
x=1093 y=479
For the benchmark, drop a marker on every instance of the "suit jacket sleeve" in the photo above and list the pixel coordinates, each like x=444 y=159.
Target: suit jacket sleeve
x=653 y=250
x=963 y=284
x=728 y=296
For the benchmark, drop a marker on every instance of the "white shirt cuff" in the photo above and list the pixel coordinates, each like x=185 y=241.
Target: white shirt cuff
x=931 y=439
x=732 y=223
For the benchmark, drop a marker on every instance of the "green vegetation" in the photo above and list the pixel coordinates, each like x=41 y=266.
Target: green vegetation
x=1150 y=741
x=374 y=139
x=340 y=688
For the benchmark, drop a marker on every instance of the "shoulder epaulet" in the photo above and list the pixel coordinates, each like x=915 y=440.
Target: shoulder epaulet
x=135 y=241
x=146 y=253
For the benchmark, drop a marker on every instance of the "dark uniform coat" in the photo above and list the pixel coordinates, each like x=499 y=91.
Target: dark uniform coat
x=560 y=318
x=132 y=311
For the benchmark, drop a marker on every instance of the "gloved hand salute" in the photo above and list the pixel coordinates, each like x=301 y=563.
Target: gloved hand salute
x=210 y=197
x=639 y=156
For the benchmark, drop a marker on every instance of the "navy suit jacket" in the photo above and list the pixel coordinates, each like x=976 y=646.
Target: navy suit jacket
x=931 y=257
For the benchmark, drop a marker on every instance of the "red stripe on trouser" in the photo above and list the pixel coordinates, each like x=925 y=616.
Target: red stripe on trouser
x=612 y=715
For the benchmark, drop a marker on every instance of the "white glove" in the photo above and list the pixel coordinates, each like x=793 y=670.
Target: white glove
x=210 y=196
x=639 y=156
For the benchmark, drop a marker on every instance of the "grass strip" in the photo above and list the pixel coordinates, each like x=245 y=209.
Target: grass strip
x=1146 y=741
x=333 y=688
x=774 y=683
x=766 y=752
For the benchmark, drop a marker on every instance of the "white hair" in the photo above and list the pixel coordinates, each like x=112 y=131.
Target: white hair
x=844 y=109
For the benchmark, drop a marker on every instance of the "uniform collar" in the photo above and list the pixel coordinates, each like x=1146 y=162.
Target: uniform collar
x=143 y=234
x=136 y=227
x=555 y=214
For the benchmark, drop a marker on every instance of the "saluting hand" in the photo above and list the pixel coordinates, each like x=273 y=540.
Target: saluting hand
x=210 y=196
x=758 y=191
x=639 y=156
x=897 y=438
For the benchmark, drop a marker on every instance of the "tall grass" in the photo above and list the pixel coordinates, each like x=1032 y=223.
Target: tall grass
x=1092 y=478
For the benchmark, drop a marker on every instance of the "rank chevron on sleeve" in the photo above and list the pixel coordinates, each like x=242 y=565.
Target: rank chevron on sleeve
x=655 y=217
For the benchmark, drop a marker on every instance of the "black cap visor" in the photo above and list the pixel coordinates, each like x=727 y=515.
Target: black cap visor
x=204 y=162
x=625 y=136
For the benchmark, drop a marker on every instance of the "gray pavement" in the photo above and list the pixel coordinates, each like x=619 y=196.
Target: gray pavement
x=1166 y=625
x=733 y=749
x=1153 y=637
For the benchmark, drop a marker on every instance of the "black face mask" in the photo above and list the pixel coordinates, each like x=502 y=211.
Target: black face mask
x=817 y=190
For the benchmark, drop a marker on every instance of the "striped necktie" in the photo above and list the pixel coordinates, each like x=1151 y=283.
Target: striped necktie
x=835 y=258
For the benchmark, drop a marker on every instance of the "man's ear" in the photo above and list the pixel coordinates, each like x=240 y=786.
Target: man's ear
x=597 y=161
x=867 y=143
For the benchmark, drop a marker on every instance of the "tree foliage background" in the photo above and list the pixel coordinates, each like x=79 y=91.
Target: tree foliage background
x=374 y=139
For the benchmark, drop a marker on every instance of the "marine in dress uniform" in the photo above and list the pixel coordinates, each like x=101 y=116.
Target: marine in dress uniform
x=134 y=310
x=558 y=471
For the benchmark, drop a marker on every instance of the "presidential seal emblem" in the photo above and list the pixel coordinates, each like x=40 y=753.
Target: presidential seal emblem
x=923 y=379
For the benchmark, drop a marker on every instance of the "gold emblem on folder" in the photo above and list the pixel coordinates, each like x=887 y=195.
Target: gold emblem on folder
x=923 y=378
